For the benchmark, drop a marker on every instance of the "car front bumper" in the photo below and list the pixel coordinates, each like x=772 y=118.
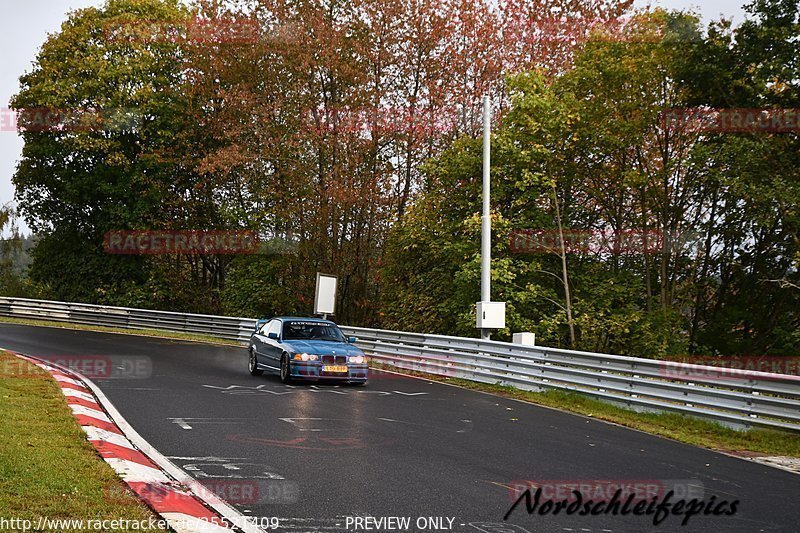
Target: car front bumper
x=313 y=371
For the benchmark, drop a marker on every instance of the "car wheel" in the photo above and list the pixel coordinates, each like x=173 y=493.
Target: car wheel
x=252 y=364
x=286 y=375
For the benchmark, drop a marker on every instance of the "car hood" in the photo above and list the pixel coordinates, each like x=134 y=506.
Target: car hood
x=323 y=347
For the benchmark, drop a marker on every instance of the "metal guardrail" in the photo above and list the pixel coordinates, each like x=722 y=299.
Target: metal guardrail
x=736 y=398
x=225 y=327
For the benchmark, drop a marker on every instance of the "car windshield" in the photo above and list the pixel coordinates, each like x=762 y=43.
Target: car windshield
x=317 y=331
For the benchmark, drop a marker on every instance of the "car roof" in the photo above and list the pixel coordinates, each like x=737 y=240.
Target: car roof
x=303 y=319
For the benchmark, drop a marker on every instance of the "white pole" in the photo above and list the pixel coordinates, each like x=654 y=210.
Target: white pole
x=486 y=220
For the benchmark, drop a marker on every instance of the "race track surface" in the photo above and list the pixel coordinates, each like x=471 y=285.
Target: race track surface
x=316 y=457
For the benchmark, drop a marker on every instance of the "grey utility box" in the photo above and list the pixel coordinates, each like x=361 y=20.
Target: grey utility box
x=490 y=315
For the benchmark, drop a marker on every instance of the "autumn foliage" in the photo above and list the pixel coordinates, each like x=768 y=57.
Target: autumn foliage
x=345 y=136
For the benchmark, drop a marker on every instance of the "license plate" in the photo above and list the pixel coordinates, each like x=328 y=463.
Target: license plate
x=334 y=368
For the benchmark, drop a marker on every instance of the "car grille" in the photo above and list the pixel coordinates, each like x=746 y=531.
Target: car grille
x=334 y=359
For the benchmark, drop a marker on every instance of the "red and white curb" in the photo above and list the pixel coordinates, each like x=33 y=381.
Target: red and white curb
x=184 y=503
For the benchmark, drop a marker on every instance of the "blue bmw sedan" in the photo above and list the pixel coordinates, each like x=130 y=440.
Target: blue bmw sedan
x=305 y=349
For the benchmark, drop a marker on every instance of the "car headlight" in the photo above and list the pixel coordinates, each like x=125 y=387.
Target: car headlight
x=358 y=359
x=305 y=357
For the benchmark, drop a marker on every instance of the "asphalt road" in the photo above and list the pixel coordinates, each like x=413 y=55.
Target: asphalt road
x=318 y=457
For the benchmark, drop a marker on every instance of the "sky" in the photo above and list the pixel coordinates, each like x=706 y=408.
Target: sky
x=28 y=22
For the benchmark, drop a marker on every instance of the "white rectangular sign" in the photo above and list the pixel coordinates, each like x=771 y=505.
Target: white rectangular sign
x=325 y=295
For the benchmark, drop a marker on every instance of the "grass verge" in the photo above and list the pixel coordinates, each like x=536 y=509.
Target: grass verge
x=682 y=428
x=47 y=467
x=193 y=337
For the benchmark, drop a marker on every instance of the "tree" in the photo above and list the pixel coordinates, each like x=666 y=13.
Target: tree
x=591 y=135
x=746 y=296
x=77 y=180
x=14 y=258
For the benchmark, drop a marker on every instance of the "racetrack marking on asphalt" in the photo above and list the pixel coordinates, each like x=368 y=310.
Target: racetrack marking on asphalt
x=134 y=388
x=182 y=422
x=206 y=458
x=314 y=388
x=197 y=469
x=293 y=421
x=298 y=423
x=428 y=426
x=240 y=482
x=507 y=487
x=250 y=389
x=324 y=444
x=232 y=389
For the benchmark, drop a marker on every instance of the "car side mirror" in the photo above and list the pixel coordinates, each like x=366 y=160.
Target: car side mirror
x=352 y=340
x=272 y=335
